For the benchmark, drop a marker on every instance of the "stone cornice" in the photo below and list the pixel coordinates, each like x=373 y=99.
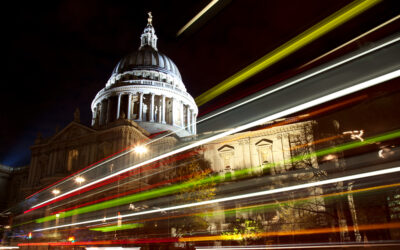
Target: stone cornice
x=267 y=132
x=45 y=148
x=11 y=170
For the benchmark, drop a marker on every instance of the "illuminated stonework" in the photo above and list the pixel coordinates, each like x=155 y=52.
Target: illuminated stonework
x=146 y=87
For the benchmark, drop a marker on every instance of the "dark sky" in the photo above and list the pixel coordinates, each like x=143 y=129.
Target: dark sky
x=59 y=54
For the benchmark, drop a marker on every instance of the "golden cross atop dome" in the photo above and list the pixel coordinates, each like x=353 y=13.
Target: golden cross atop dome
x=150 y=18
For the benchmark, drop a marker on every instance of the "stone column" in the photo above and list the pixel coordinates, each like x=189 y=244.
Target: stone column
x=140 y=106
x=98 y=115
x=31 y=176
x=159 y=113
x=193 y=123
x=50 y=164
x=151 y=107
x=188 y=118
x=93 y=151
x=101 y=113
x=119 y=106
x=163 y=109
x=181 y=106
x=244 y=144
x=129 y=106
x=286 y=154
x=172 y=111
x=94 y=113
x=108 y=110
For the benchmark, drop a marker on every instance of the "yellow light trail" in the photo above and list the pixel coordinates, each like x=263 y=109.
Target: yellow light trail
x=316 y=31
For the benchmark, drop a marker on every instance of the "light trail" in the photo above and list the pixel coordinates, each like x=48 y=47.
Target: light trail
x=335 y=245
x=117 y=228
x=300 y=107
x=242 y=173
x=308 y=76
x=306 y=116
x=296 y=201
x=367 y=227
x=195 y=18
x=292 y=233
x=238 y=174
x=353 y=40
x=264 y=206
x=98 y=163
x=130 y=181
x=343 y=15
x=124 y=193
x=238 y=197
x=114 y=179
x=244 y=102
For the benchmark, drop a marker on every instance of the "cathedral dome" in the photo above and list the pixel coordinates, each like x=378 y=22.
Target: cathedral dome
x=147 y=58
x=146 y=87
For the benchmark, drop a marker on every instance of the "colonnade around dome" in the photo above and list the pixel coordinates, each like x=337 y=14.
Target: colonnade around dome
x=140 y=107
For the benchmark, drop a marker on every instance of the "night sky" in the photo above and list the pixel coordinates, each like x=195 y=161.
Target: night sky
x=59 y=54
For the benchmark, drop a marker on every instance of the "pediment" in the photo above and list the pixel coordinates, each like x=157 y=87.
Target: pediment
x=72 y=131
x=226 y=148
x=264 y=142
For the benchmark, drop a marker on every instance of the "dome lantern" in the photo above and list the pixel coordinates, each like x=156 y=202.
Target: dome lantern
x=148 y=37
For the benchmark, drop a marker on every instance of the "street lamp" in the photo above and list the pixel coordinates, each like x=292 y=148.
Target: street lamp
x=140 y=149
x=56 y=191
x=79 y=180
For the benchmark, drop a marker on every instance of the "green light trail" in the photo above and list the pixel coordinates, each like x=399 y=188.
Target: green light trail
x=238 y=174
x=117 y=228
x=271 y=206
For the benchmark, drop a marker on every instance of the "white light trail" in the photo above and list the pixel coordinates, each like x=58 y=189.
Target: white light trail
x=238 y=197
x=336 y=245
x=247 y=101
x=195 y=18
x=315 y=102
x=353 y=40
x=302 y=78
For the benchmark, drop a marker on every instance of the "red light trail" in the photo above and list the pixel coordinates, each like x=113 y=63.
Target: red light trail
x=120 y=177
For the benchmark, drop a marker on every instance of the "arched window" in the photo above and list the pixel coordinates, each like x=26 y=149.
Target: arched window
x=72 y=159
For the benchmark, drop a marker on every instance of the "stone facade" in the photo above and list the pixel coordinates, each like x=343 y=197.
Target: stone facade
x=78 y=146
x=256 y=148
x=11 y=179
